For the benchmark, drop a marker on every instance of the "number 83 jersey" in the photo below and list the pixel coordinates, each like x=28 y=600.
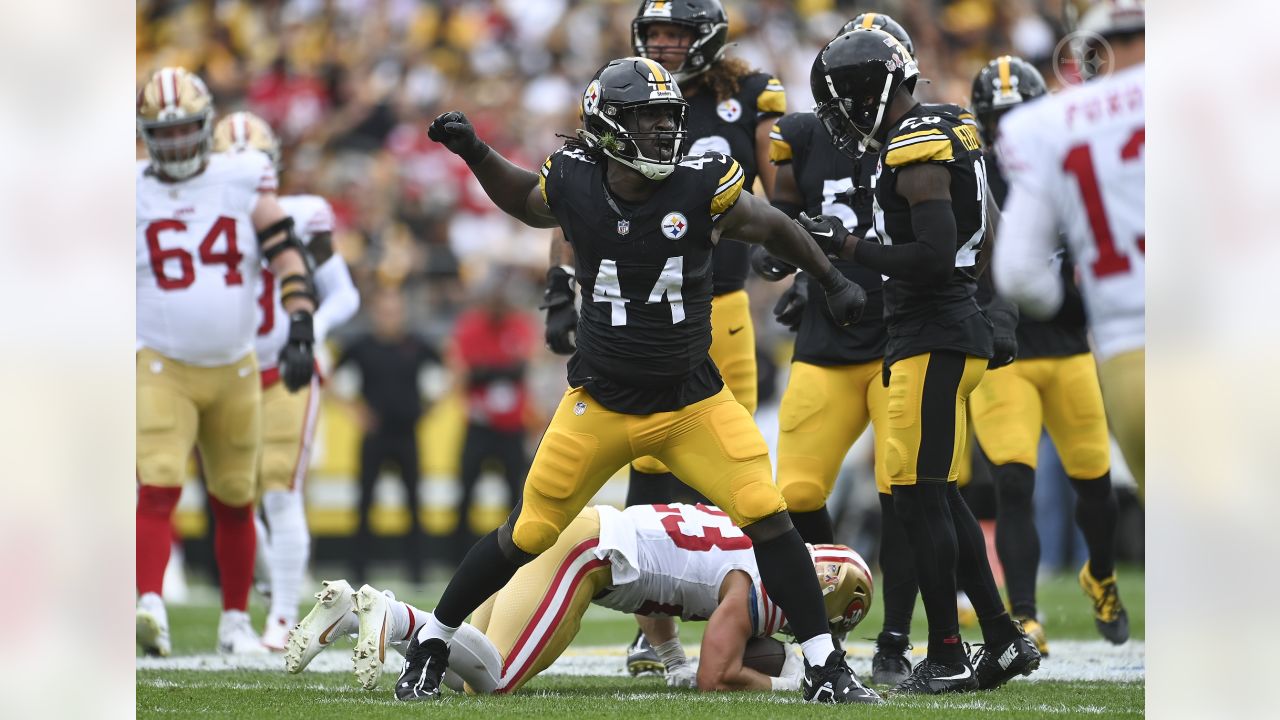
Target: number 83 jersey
x=645 y=275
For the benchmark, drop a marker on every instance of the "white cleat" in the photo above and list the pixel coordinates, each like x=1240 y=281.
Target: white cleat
x=153 y=626
x=321 y=626
x=276 y=634
x=371 y=642
x=236 y=635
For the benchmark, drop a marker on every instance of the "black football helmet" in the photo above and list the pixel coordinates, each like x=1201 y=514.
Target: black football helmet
x=1002 y=84
x=854 y=79
x=707 y=20
x=614 y=107
x=882 y=22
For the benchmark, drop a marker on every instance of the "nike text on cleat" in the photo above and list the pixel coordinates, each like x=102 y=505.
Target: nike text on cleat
x=424 y=666
x=995 y=665
x=834 y=682
x=891 y=663
x=931 y=677
x=319 y=627
x=371 y=641
x=1109 y=615
x=642 y=659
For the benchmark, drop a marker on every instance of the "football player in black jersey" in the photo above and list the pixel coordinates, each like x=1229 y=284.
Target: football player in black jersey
x=1054 y=385
x=642 y=222
x=930 y=204
x=835 y=390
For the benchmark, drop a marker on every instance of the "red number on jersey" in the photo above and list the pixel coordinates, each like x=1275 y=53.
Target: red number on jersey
x=1079 y=162
x=711 y=537
x=231 y=257
x=267 y=301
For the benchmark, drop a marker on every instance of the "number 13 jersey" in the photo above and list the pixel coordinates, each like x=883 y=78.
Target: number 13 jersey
x=645 y=275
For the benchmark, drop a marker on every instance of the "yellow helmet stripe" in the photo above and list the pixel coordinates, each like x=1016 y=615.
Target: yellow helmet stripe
x=867 y=20
x=659 y=75
x=1002 y=63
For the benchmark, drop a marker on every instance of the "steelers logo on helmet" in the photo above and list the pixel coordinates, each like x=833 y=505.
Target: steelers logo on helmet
x=591 y=98
x=729 y=110
x=675 y=225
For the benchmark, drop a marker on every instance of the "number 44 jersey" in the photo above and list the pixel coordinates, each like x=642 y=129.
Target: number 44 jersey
x=645 y=275
x=197 y=259
x=670 y=560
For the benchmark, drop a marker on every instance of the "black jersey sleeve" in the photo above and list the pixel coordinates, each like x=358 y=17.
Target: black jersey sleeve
x=939 y=138
x=788 y=139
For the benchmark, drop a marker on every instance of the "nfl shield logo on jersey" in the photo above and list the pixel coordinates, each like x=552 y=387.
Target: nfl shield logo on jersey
x=624 y=227
x=675 y=225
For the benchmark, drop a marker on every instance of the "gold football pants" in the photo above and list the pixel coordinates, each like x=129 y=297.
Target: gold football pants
x=288 y=429
x=733 y=350
x=535 y=616
x=1060 y=394
x=1124 y=390
x=713 y=446
x=215 y=409
x=824 y=410
x=928 y=415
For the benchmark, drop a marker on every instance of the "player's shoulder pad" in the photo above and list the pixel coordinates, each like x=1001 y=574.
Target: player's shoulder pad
x=936 y=133
x=560 y=162
x=764 y=91
x=720 y=169
x=251 y=168
x=311 y=213
x=790 y=136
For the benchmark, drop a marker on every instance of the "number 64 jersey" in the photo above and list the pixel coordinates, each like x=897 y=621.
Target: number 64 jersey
x=1075 y=164
x=197 y=259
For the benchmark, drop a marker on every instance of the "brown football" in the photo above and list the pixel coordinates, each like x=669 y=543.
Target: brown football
x=765 y=655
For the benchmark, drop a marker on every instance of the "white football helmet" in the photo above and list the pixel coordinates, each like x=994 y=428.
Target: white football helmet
x=175 y=120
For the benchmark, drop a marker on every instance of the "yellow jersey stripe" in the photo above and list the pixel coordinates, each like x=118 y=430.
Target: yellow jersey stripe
x=728 y=193
x=734 y=167
x=779 y=150
x=912 y=136
x=926 y=150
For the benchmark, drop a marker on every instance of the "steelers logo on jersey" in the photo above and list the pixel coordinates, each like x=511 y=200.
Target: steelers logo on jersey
x=729 y=110
x=675 y=225
x=591 y=98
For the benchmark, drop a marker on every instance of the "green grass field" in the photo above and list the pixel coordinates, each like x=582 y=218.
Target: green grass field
x=1074 y=682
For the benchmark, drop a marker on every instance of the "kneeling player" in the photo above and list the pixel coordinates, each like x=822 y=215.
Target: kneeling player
x=660 y=561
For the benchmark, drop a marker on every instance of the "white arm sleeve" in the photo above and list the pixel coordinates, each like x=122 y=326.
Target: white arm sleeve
x=1027 y=239
x=339 y=298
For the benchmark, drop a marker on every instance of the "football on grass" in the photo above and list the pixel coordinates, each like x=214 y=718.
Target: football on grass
x=765 y=655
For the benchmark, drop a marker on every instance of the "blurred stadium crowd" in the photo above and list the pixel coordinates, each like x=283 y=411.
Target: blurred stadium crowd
x=351 y=85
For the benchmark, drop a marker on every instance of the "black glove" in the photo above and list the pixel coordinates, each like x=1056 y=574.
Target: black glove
x=790 y=307
x=562 y=317
x=454 y=131
x=1004 y=328
x=769 y=267
x=845 y=298
x=298 y=357
x=826 y=230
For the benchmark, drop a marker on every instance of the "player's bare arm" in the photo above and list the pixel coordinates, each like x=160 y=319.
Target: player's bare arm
x=512 y=188
x=766 y=170
x=720 y=663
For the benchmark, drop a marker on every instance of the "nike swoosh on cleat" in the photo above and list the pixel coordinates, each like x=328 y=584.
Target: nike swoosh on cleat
x=382 y=641
x=962 y=676
x=324 y=636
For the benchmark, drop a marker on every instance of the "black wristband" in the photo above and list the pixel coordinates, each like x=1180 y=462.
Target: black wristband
x=475 y=154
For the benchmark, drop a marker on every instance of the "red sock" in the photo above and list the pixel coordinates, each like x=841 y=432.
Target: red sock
x=233 y=547
x=155 y=535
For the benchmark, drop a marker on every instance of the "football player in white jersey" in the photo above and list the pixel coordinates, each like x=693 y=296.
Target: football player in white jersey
x=656 y=561
x=1075 y=162
x=204 y=221
x=288 y=419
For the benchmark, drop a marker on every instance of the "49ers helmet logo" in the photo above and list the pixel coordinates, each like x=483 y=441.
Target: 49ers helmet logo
x=674 y=225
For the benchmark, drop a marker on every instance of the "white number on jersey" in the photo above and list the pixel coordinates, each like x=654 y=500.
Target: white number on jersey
x=697 y=162
x=967 y=255
x=710 y=143
x=608 y=289
x=832 y=188
x=669 y=285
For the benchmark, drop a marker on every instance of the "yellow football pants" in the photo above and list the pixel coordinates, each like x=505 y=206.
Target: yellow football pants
x=1124 y=390
x=1061 y=394
x=288 y=429
x=824 y=410
x=535 y=616
x=733 y=350
x=215 y=409
x=927 y=421
x=712 y=445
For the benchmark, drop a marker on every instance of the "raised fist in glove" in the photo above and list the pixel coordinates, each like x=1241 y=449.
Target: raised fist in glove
x=845 y=298
x=454 y=131
x=298 y=358
x=790 y=307
x=562 y=316
x=826 y=230
x=769 y=267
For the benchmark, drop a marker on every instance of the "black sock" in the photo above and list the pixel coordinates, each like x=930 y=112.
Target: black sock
x=814 y=526
x=1097 y=513
x=973 y=572
x=1017 y=542
x=787 y=571
x=898 y=586
x=926 y=515
x=482 y=573
x=650 y=489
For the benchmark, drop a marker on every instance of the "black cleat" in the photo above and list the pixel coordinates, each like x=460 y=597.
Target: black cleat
x=1109 y=614
x=995 y=665
x=892 y=662
x=931 y=677
x=834 y=682
x=642 y=659
x=424 y=666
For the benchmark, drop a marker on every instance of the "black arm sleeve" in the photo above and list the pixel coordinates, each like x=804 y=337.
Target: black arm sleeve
x=928 y=260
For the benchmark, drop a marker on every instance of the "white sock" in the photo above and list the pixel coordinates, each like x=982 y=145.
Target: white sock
x=287 y=550
x=818 y=648
x=432 y=628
